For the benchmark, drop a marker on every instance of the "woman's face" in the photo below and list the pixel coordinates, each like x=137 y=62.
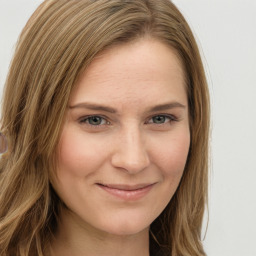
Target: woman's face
x=126 y=138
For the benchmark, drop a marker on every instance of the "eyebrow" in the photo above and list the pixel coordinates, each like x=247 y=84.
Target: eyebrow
x=160 y=107
x=92 y=106
x=167 y=106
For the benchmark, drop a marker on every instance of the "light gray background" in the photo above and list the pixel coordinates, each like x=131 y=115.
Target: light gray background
x=226 y=33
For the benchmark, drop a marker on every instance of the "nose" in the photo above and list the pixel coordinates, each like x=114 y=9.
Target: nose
x=130 y=152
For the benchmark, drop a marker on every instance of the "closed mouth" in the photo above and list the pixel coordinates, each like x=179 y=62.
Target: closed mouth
x=126 y=187
x=127 y=192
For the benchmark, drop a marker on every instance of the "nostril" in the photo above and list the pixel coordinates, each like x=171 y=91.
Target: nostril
x=130 y=163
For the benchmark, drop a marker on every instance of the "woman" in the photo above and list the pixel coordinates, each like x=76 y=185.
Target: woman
x=106 y=114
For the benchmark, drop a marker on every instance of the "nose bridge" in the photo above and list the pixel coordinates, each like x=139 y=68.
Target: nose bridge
x=131 y=151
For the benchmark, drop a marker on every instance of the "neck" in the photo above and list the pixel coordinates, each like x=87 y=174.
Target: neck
x=76 y=238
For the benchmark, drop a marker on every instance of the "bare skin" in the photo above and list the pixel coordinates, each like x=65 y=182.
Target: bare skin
x=74 y=240
x=122 y=151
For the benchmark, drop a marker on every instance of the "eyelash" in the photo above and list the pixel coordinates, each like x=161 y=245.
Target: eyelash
x=171 y=118
x=84 y=120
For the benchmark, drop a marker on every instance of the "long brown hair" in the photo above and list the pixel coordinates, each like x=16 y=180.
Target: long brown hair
x=56 y=45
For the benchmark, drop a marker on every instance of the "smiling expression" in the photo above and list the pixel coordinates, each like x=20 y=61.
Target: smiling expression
x=125 y=139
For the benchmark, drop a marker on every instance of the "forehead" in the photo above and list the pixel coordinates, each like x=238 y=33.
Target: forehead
x=131 y=70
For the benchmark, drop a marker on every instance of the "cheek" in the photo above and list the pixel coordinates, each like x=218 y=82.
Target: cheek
x=79 y=154
x=171 y=156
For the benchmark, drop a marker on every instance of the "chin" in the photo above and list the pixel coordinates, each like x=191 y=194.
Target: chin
x=126 y=226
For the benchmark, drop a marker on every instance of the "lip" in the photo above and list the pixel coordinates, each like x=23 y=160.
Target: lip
x=127 y=192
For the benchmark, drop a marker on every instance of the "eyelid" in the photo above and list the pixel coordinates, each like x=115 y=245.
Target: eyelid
x=172 y=118
x=81 y=120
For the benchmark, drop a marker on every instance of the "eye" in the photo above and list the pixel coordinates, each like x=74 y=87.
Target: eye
x=162 y=119
x=159 y=119
x=94 y=120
